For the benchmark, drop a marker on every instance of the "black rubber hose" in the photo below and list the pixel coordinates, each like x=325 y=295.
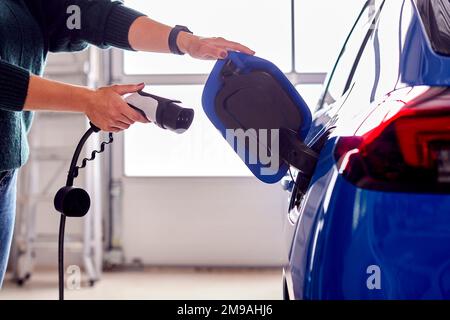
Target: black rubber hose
x=62 y=226
x=73 y=165
x=73 y=172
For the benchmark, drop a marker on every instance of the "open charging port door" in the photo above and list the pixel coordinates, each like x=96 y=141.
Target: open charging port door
x=261 y=115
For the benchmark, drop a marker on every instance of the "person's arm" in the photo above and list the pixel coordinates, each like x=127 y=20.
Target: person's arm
x=13 y=86
x=109 y=23
x=148 y=35
x=104 y=107
x=103 y=23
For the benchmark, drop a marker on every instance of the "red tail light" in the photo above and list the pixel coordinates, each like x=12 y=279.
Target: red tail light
x=402 y=145
x=421 y=139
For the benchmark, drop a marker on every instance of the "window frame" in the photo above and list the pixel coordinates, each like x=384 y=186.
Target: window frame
x=296 y=78
x=117 y=75
x=358 y=56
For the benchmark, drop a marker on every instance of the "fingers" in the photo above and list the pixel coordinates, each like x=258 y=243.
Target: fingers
x=113 y=130
x=235 y=46
x=127 y=88
x=109 y=128
x=123 y=118
x=217 y=48
x=120 y=119
x=141 y=118
x=129 y=115
x=117 y=126
x=210 y=52
x=121 y=125
x=132 y=115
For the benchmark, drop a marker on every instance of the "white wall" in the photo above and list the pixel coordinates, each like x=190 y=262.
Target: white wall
x=204 y=221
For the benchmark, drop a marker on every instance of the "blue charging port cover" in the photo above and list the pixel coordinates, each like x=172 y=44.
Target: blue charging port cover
x=249 y=93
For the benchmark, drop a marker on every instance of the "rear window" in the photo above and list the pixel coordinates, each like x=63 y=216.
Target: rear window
x=436 y=18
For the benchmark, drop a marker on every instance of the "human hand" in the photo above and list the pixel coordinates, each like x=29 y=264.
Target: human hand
x=108 y=111
x=208 y=48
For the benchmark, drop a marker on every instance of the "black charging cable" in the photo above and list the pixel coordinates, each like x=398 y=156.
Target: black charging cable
x=74 y=202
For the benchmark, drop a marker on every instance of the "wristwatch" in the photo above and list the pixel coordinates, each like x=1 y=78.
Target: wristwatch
x=173 y=36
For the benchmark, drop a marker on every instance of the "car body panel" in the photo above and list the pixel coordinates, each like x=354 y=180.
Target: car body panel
x=345 y=230
x=345 y=234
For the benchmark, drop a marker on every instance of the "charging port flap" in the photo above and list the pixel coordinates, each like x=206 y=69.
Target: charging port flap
x=260 y=114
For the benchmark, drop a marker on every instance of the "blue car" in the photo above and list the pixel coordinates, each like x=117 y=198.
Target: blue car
x=369 y=181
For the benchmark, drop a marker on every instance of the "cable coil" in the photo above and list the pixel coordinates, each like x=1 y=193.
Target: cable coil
x=74 y=202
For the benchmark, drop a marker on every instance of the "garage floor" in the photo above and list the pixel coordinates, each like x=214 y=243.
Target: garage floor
x=159 y=283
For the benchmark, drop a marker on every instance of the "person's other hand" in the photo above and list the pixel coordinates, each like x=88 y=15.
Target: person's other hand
x=208 y=48
x=108 y=110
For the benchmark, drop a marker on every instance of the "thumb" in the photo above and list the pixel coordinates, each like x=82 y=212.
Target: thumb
x=127 y=88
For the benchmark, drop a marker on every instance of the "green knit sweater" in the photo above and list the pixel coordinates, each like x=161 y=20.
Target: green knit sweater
x=29 y=29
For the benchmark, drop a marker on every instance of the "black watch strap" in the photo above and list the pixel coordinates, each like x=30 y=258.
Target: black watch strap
x=173 y=36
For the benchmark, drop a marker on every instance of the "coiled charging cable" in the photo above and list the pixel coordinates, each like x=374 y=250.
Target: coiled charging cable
x=74 y=202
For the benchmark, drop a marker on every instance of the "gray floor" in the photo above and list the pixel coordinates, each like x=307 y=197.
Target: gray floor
x=158 y=283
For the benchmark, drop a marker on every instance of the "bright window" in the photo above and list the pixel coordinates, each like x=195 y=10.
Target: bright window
x=321 y=27
x=200 y=151
x=265 y=26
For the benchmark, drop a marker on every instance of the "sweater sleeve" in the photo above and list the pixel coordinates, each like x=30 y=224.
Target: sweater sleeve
x=72 y=24
x=13 y=86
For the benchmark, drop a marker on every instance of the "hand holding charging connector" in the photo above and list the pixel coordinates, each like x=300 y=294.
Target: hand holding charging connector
x=162 y=111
